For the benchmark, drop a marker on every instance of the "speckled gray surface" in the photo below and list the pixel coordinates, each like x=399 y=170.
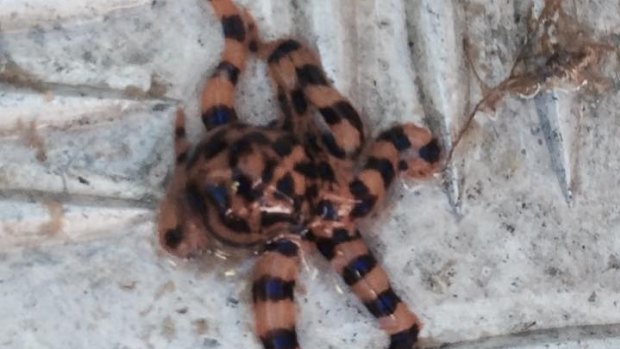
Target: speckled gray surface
x=515 y=247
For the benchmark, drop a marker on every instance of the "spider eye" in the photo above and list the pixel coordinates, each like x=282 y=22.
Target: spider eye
x=173 y=237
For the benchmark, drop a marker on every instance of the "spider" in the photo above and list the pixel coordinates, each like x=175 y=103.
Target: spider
x=277 y=188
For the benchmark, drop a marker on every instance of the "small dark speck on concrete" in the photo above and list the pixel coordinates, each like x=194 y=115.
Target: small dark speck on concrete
x=552 y=271
x=88 y=57
x=158 y=3
x=182 y=310
x=210 y=343
x=160 y=107
x=83 y=180
x=232 y=301
x=613 y=262
x=37 y=35
x=592 y=297
x=509 y=227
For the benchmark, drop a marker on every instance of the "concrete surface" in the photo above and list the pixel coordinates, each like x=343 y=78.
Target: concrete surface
x=516 y=246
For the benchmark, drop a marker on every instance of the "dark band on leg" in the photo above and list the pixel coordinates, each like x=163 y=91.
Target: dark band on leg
x=218 y=115
x=327 y=246
x=396 y=135
x=384 y=305
x=311 y=74
x=332 y=147
x=272 y=289
x=405 y=339
x=299 y=101
x=233 y=27
x=280 y=339
x=173 y=237
x=286 y=248
x=283 y=49
x=229 y=70
x=358 y=268
x=384 y=167
x=365 y=200
x=431 y=151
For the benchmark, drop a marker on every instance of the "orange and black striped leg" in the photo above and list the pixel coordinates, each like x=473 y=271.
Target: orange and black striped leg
x=296 y=111
x=291 y=99
x=297 y=69
x=218 y=96
x=287 y=119
x=272 y=291
x=181 y=145
x=351 y=258
x=171 y=220
x=420 y=154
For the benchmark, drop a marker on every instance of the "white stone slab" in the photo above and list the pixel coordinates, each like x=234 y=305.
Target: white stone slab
x=80 y=266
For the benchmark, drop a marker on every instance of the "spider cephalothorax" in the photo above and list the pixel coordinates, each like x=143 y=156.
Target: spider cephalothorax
x=271 y=187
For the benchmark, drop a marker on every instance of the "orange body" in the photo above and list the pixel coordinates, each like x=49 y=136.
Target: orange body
x=270 y=188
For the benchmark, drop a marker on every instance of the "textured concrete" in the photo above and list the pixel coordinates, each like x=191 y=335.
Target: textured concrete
x=515 y=246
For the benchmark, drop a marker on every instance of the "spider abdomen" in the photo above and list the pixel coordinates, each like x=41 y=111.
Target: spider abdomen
x=247 y=183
